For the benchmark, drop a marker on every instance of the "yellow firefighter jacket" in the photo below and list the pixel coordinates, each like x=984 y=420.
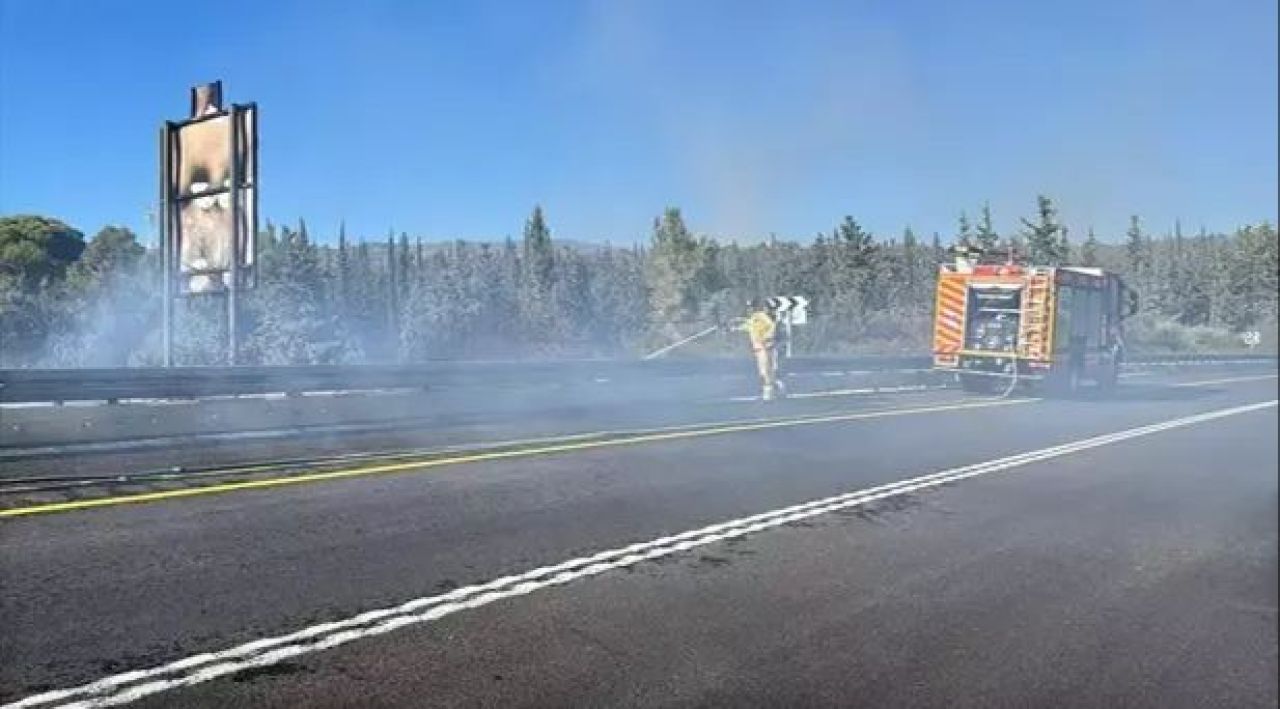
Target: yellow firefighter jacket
x=760 y=328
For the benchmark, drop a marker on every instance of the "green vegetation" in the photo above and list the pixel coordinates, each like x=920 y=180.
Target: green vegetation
x=68 y=302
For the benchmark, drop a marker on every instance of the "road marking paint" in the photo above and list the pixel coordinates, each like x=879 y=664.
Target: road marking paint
x=848 y=392
x=711 y=430
x=1201 y=362
x=415 y=454
x=129 y=686
x=1228 y=380
x=872 y=390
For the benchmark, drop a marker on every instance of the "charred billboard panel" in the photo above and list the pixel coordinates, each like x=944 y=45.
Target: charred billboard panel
x=203 y=155
x=204 y=171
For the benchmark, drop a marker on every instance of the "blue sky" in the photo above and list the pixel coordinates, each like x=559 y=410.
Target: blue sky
x=453 y=119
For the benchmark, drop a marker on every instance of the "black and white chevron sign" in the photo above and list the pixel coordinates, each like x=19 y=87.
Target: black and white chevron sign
x=789 y=307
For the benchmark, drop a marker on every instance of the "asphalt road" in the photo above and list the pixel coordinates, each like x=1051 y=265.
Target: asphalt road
x=1138 y=570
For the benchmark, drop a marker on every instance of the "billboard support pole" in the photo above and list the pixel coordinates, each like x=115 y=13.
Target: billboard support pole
x=166 y=256
x=233 y=287
x=251 y=239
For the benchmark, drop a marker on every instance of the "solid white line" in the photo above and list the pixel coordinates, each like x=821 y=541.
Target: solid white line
x=129 y=686
x=847 y=392
x=1199 y=362
x=1228 y=380
x=870 y=390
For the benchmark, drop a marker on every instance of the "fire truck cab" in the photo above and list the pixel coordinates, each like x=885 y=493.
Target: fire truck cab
x=999 y=322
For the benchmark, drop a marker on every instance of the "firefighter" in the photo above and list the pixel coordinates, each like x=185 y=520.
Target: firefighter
x=762 y=331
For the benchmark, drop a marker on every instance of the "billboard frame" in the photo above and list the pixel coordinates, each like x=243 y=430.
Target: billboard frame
x=241 y=271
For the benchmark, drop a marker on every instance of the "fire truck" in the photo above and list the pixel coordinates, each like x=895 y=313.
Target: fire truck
x=999 y=322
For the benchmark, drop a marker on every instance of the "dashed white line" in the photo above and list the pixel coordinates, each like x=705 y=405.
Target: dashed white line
x=130 y=686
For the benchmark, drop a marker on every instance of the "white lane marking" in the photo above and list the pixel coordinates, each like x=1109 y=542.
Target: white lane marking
x=1228 y=380
x=856 y=372
x=848 y=392
x=870 y=390
x=129 y=686
x=1199 y=362
x=1206 y=362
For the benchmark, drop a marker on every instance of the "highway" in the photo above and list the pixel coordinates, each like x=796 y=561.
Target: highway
x=922 y=549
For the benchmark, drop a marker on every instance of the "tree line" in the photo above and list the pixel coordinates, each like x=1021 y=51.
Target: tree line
x=68 y=301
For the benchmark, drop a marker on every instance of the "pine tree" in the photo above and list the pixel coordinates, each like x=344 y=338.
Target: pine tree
x=1259 y=255
x=404 y=273
x=1137 y=249
x=854 y=252
x=965 y=235
x=1089 y=250
x=510 y=323
x=343 y=275
x=392 y=297
x=291 y=323
x=987 y=237
x=570 y=297
x=1046 y=242
x=368 y=304
x=537 y=279
x=619 y=297
x=910 y=263
x=676 y=261
x=921 y=268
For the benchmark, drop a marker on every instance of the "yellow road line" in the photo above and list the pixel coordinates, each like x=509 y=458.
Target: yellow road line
x=711 y=430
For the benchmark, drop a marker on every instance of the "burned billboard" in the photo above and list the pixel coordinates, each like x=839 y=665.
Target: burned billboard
x=212 y=168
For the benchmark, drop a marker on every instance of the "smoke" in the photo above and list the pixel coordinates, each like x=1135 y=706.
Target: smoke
x=751 y=138
x=769 y=118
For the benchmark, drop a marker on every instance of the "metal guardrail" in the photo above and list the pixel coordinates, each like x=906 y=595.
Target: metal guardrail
x=114 y=384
